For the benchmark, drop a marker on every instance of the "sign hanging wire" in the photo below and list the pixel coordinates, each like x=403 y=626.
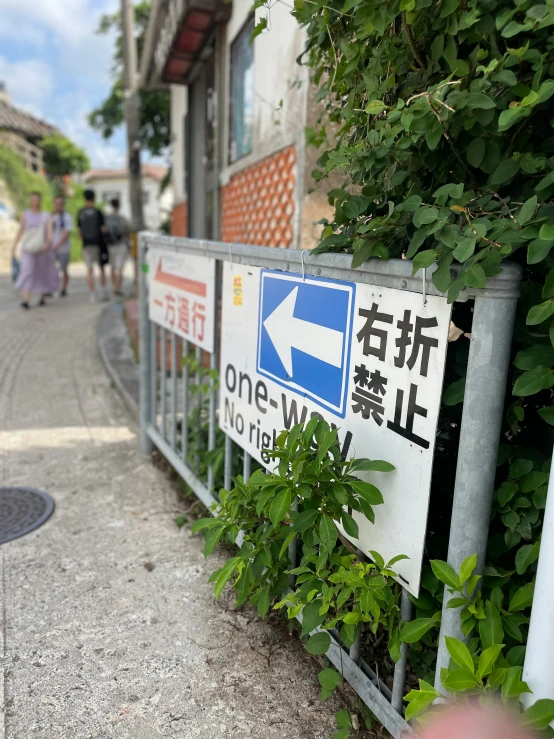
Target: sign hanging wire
x=303 y=267
x=424 y=286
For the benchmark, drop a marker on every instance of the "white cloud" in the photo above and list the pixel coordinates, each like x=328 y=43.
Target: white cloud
x=30 y=81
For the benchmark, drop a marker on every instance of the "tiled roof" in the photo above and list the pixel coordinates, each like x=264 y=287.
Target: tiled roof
x=14 y=119
x=156 y=171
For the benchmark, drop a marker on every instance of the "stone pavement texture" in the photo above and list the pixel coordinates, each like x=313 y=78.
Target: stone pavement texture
x=108 y=626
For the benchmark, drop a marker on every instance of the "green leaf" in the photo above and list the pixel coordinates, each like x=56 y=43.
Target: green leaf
x=311 y=617
x=538 y=250
x=522 y=598
x=479 y=100
x=454 y=393
x=545 y=182
x=375 y=107
x=368 y=491
x=506 y=492
x=540 y=715
x=442 y=276
x=212 y=538
x=460 y=653
x=319 y=643
x=476 y=152
x=476 y=276
x=520 y=467
x=345 y=733
x=468 y=565
x=512 y=686
x=414 y=630
x=547 y=414
x=526 y=556
x=465 y=248
x=225 y=574
x=262 y=603
x=532 y=481
x=445 y=573
x=540 y=313
x=510 y=117
x=490 y=628
x=280 y=506
x=538 y=354
x=305 y=519
x=327 y=532
x=531 y=382
x=349 y=525
x=418 y=703
x=527 y=210
x=423 y=260
x=329 y=679
x=374 y=465
x=425 y=215
x=547 y=231
x=459 y=680
x=343 y=719
x=507 y=169
x=487 y=659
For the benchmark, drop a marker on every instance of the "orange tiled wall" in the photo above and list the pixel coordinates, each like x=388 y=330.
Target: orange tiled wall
x=257 y=206
x=179 y=220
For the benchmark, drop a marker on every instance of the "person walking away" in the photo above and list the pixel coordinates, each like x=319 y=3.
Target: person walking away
x=37 y=272
x=92 y=228
x=118 y=232
x=62 y=225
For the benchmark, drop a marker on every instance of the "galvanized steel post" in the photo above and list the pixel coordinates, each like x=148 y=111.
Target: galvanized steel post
x=145 y=350
x=489 y=357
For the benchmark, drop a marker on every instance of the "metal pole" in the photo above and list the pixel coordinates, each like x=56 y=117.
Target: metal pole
x=132 y=113
x=163 y=379
x=228 y=463
x=489 y=357
x=185 y=426
x=539 y=655
x=145 y=351
x=173 y=391
x=399 y=678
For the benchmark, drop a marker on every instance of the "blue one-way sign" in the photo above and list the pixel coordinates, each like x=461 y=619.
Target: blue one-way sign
x=304 y=336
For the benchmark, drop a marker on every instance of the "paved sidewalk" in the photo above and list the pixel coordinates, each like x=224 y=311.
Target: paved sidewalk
x=109 y=628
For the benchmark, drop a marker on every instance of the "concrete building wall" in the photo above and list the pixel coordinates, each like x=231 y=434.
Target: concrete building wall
x=178 y=96
x=156 y=207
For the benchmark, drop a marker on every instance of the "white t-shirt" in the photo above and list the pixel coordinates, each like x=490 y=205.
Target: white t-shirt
x=60 y=223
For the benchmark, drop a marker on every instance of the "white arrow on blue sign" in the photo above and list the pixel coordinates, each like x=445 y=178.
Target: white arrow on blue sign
x=305 y=334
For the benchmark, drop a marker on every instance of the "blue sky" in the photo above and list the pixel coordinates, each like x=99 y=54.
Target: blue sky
x=56 y=67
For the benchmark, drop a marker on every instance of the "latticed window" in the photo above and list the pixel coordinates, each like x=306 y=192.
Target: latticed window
x=241 y=126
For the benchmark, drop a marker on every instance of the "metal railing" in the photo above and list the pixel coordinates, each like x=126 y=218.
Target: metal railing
x=173 y=418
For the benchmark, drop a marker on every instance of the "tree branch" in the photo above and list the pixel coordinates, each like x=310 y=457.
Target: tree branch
x=415 y=51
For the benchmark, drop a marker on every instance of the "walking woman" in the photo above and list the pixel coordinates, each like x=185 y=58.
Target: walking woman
x=38 y=273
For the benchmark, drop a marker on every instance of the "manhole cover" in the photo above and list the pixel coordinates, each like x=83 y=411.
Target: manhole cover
x=22 y=510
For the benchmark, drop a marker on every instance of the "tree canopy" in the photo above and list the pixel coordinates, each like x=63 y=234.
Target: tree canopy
x=155 y=129
x=62 y=156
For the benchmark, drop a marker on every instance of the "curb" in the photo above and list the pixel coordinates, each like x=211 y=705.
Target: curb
x=115 y=351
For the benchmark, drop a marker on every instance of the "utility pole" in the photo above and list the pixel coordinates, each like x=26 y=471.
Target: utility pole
x=132 y=116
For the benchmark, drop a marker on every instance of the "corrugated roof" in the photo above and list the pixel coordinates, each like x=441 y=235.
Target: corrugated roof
x=17 y=120
x=156 y=171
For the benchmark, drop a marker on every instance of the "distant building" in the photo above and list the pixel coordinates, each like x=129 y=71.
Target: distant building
x=241 y=169
x=21 y=132
x=114 y=183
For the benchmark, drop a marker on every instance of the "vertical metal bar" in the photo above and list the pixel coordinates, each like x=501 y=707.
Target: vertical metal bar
x=228 y=463
x=173 y=390
x=154 y=372
x=246 y=466
x=213 y=372
x=489 y=356
x=145 y=351
x=200 y=405
x=185 y=423
x=212 y=421
x=163 y=370
x=399 y=678
x=354 y=650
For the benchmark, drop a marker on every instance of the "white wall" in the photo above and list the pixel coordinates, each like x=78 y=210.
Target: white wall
x=178 y=96
x=153 y=215
x=277 y=77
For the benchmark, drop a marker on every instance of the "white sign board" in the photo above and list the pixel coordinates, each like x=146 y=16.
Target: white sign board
x=181 y=295
x=370 y=360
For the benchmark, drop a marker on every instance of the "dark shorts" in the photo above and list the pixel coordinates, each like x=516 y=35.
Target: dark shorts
x=63 y=261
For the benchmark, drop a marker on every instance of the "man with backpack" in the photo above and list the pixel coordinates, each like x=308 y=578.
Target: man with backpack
x=92 y=228
x=118 y=232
